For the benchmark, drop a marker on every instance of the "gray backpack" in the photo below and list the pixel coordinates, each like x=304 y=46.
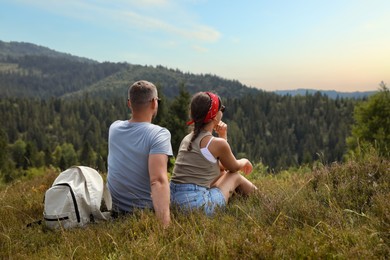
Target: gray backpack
x=75 y=199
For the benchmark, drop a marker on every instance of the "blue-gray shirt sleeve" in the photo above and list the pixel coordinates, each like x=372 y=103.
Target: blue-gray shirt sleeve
x=162 y=143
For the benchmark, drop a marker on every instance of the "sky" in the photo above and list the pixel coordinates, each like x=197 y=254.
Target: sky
x=341 y=45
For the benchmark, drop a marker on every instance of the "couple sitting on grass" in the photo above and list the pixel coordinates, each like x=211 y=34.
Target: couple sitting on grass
x=205 y=175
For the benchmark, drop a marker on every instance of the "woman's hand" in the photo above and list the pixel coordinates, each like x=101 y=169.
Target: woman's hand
x=246 y=166
x=221 y=130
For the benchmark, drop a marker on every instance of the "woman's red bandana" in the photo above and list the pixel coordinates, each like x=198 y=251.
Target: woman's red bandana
x=211 y=114
x=213 y=108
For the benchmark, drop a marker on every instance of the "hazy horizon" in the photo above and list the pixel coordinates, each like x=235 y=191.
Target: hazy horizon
x=278 y=45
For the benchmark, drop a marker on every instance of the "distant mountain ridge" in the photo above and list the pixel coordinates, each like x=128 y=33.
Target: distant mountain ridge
x=31 y=70
x=330 y=93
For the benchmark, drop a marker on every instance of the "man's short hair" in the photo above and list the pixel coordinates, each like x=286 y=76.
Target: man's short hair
x=141 y=92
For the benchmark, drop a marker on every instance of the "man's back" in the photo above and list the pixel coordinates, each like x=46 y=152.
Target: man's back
x=130 y=144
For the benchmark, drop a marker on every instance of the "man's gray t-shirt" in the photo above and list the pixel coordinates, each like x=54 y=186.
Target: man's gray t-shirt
x=129 y=146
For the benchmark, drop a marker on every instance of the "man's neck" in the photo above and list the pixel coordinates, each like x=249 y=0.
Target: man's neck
x=140 y=118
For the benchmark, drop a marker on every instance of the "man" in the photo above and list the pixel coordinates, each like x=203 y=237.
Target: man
x=138 y=155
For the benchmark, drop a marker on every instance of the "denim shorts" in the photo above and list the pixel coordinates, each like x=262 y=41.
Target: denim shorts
x=192 y=196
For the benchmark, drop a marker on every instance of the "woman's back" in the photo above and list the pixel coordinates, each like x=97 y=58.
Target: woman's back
x=192 y=166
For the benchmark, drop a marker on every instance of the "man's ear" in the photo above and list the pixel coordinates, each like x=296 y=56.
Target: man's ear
x=154 y=103
x=128 y=103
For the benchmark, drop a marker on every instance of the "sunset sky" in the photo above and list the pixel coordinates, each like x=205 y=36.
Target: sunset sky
x=341 y=45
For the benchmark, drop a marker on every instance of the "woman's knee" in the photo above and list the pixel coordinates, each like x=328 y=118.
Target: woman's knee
x=230 y=181
x=238 y=177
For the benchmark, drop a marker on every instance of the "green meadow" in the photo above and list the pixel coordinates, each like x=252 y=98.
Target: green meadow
x=337 y=211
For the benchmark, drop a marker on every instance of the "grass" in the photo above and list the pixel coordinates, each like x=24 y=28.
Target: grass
x=338 y=211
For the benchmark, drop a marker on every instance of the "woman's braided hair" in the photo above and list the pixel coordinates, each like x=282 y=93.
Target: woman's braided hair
x=199 y=107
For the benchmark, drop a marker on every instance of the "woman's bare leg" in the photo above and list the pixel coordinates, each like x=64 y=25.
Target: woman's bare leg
x=228 y=182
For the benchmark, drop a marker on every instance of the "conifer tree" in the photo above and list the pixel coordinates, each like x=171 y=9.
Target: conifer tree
x=177 y=118
x=3 y=152
x=372 y=122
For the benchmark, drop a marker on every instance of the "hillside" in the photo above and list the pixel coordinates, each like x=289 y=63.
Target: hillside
x=28 y=70
x=169 y=80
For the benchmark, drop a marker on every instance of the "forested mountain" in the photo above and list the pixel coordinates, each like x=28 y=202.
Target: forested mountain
x=168 y=80
x=27 y=70
x=56 y=111
x=45 y=77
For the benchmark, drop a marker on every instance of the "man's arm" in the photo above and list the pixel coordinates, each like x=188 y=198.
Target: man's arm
x=159 y=185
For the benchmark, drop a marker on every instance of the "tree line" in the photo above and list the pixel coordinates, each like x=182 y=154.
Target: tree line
x=278 y=131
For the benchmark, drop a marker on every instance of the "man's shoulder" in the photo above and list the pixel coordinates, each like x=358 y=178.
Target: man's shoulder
x=144 y=127
x=161 y=140
x=160 y=128
x=117 y=123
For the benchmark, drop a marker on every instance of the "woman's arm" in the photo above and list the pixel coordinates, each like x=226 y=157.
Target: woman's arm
x=220 y=148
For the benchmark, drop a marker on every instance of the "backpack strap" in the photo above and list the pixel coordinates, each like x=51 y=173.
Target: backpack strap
x=38 y=222
x=97 y=191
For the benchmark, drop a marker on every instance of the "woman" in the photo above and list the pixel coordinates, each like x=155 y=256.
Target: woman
x=206 y=172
